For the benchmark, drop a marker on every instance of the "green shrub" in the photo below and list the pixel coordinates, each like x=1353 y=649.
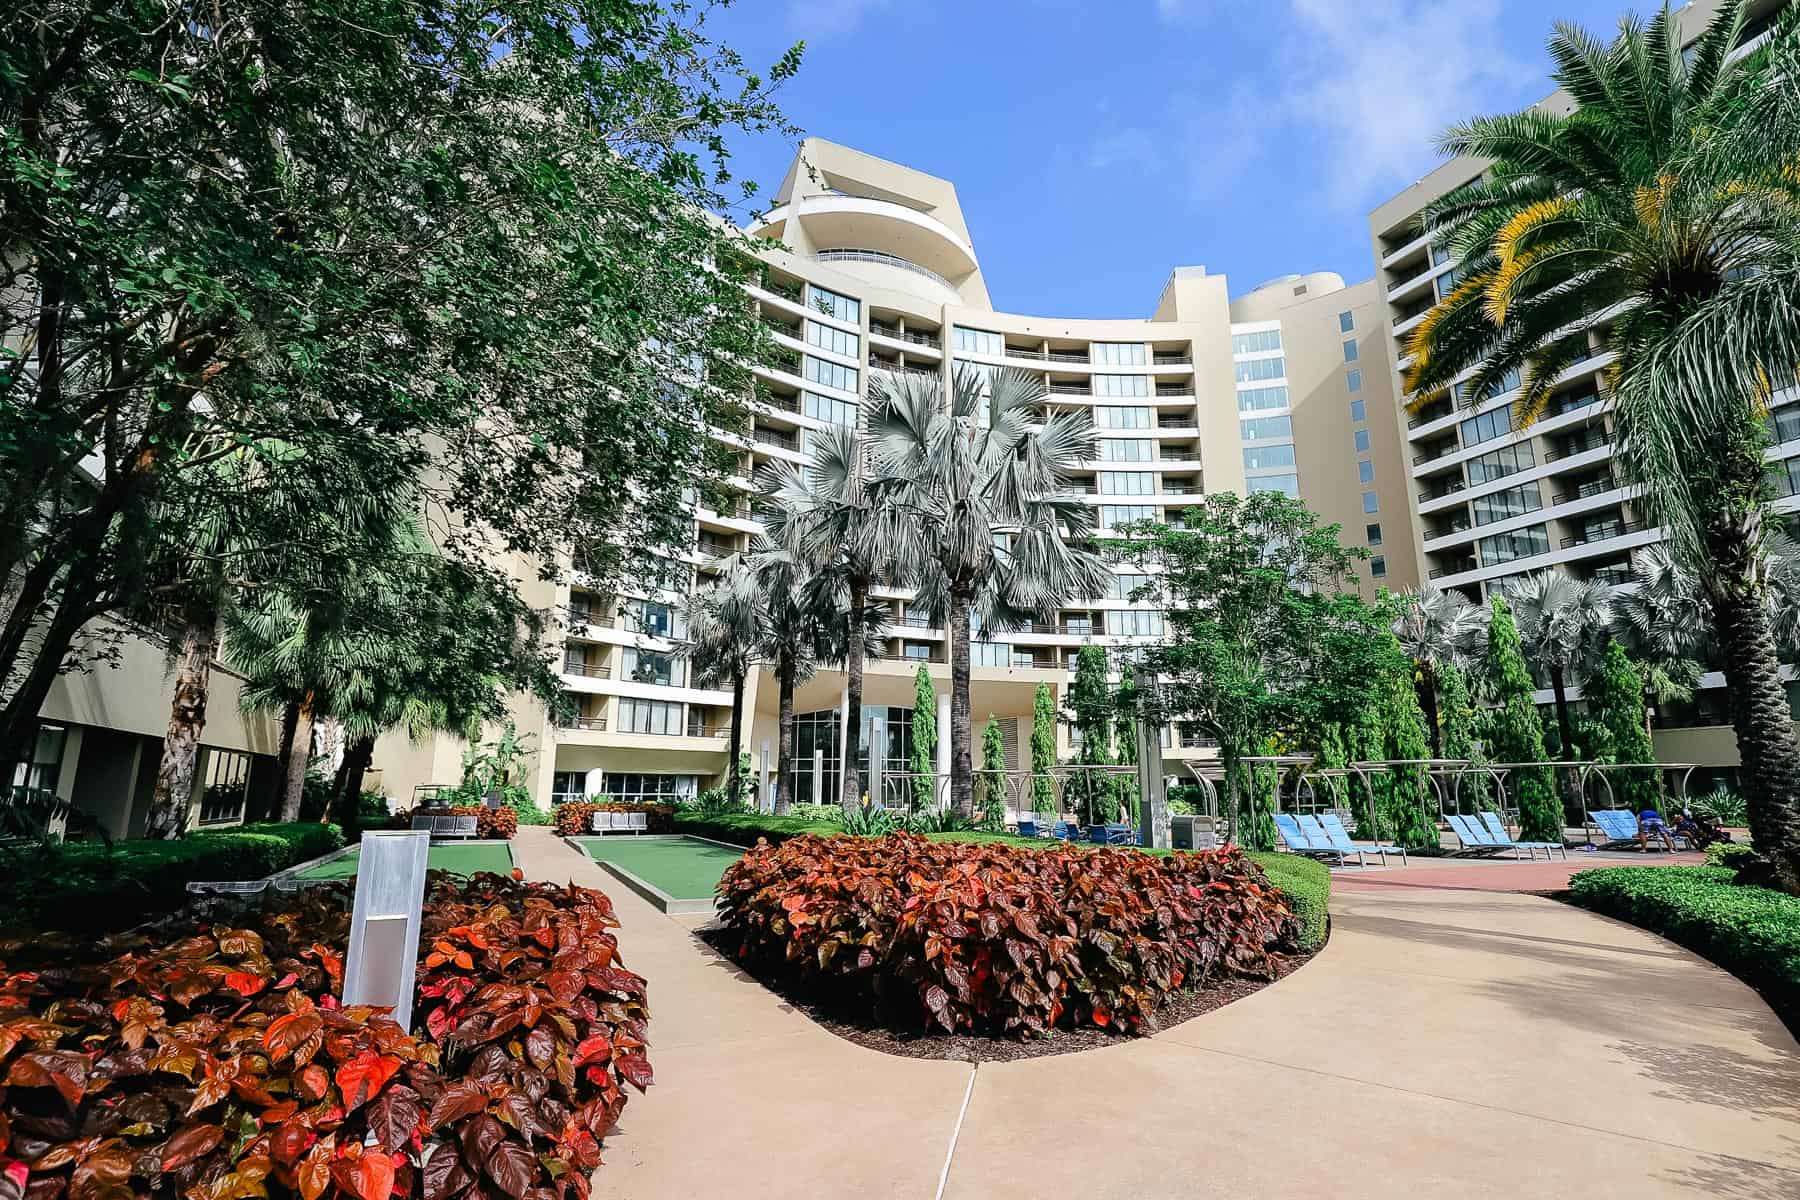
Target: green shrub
x=1307 y=886
x=1724 y=806
x=1733 y=856
x=86 y=886
x=743 y=828
x=1752 y=932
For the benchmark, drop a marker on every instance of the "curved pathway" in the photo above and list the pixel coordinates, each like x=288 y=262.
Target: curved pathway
x=1472 y=1042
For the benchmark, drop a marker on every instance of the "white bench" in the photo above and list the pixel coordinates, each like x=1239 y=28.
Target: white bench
x=621 y=822
x=445 y=825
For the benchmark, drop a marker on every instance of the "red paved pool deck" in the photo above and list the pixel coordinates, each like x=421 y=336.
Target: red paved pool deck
x=1498 y=875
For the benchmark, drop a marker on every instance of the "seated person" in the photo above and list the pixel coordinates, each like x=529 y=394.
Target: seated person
x=1650 y=824
x=1701 y=831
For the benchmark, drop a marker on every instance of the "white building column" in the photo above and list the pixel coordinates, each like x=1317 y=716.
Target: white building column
x=943 y=749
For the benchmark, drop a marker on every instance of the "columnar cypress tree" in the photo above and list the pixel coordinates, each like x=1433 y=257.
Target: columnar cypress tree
x=1125 y=748
x=990 y=783
x=924 y=740
x=1043 y=749
x=1406 y=808
x=1091 y=702
x=1615 y=700
x=1456 y=714
x=1516 y=733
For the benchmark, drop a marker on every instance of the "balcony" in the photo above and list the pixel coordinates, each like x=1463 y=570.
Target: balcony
x=578 y=615
x=1438 y=493
x=1592 y=487
x=1436 y=410
x=697 y=727
x=1435 y=451
x=1176 y=423
x=588 y=724
x=898 y=368
x=769 y=437
x=1452 y=568
x=782 y=359
x=1168 y=455
x=895 y=333
x=1601 y=533
x=587 y=670
x=1450 y=528
x=1071 y=389
x=1570 y=447
x=1061 y=356
x=786 y=290
x=1171 y=360
x=1178 y=391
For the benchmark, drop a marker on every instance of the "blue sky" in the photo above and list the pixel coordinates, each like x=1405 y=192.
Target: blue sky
x=1096 y=144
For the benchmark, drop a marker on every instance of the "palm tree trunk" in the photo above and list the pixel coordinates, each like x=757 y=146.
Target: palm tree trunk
x=299 y=757
x=853 y=694
x=733 y=778
x=1563 y=731
x=1770 y=757
x=962 y=780
x=1429 y=699
x=187 y=718
x=348 y=800
x=784 y=753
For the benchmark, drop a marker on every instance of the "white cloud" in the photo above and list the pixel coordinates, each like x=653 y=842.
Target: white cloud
x=828 y=18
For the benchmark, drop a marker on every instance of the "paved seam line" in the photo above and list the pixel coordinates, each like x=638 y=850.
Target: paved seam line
x=1530 y=1116
x=956 y=1132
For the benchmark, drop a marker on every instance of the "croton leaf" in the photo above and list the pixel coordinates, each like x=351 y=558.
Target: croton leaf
x=512 y=1167
x=394 y=1115
x=363 y=1077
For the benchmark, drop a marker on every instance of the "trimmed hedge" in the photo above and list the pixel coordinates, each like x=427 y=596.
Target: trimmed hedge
x=743 y=828
x=997 y=939
x=575 y=817
x=89 y=887
x=1752 y=932
x=1307 y=885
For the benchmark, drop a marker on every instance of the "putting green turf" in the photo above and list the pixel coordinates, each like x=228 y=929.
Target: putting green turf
x=684 y=868
x=464 y=860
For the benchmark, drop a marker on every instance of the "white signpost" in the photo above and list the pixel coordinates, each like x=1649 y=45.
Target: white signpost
x=384 y=921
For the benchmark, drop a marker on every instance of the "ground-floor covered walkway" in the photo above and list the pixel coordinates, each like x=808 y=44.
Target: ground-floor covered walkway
x=1473 y=1042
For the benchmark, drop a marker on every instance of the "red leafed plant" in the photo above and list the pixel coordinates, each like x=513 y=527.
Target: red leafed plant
x=992 y=938
x=210 y=1061
x=575 y=817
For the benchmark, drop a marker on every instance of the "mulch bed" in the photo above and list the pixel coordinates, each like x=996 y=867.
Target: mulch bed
x=860 y=1028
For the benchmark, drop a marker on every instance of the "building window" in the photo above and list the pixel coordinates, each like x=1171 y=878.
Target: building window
x=647 y=666
x=834 y=305
x=1136 y=622
x=650 y=716
x=654 y=618
x=1261 y=368
x=1498 y=464
x=830 y=374
x=1512 y=502
x=830 y=337
x=567 y=786
x=1370 y=503
x=1520 y=543
x=1112 y=516
x=1465 y=391
x=45 y=767
x=990 y=654
x=1287 y=485
x=227 y=780
x=1378 y=566
x=978 y=341
x=1487 y=426
x=920 y=651
x=1119 y=354
x=1260 y=458
x=1109 y=417
x=1123 y=584
x=1256 y=343
x=1258 y=399
x=1365 y=471
x=1346 y=322
x=828 y=409
x=1349 y=350
x=1353 y=380
x=1126 y=483
x=1124 y=450
x=631 y=787
x=1372 y=534
x=1256 y=429
x=1359 y=411
x=1121 y=385
x=1362 y=441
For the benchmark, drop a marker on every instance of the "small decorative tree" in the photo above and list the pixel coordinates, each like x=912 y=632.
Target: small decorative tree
x=1457 y=716
x=1091 y=701
x=1516 y=732
x=1125 y=739
x=1043 y=749
x=1405 y=811
x=924 y=740
x=990 y=782
x=1615 y=700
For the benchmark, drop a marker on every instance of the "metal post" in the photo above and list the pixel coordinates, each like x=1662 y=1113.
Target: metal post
x=1153 y=800
x=877 y=761
x=765 y=800
x=819 y=777
x=384 y=921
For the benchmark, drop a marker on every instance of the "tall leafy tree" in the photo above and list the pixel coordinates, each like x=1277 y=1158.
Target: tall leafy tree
x=1615 y=703
x=1515 y=732
x=802 y=625
x=725 y=635
x=924 y=740
x=1437 y=628
x=990 y=785
x=986 y=523
x=1562 y=623
x=1404 y=803
x=1091 y=703
x=1661 y=202
x=1043 y=749
x=463 y=242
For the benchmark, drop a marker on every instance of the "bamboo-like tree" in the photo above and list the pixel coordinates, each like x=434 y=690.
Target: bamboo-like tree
x=990 y=785
x=1516 y=733
x=1663 y=201
x=1615 y=704
x=924 y=741
x=1562 y=623
x=1091 y=701
x=986 y=524
x=1043 y=749
x=1437 y=629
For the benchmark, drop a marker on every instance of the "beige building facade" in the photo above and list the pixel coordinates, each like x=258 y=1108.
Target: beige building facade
x=870 y=267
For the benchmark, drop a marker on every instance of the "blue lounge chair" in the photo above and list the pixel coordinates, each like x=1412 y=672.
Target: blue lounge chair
x=1120 y=834
x=1615 y=825
x=1299 y=841
x=1339 y=838
x=1027 y=827
x=1472 y=838
x=1495 y=842
x=1496 y=827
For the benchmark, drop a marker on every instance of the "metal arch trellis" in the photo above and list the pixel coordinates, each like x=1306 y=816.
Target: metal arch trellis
x=1434 y=771
x=1600 y=771
x=1209 y=785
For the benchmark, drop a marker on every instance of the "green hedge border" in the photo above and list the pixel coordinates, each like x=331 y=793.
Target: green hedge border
x=1305 y=883
x=88 y=887
x=1752 y=932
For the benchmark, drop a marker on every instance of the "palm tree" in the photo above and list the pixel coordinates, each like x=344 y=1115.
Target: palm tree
x=1436 y=628
x=1664 y=202
x=725 y=637
x=826 y=513
x=1662 y=619
x=986 y=524
x=1562 y=627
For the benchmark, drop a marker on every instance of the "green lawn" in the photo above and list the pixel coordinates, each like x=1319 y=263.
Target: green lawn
x=462 y=859
x=683 y=868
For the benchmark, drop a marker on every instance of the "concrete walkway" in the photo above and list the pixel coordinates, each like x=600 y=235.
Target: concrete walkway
x=1472 y=1042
